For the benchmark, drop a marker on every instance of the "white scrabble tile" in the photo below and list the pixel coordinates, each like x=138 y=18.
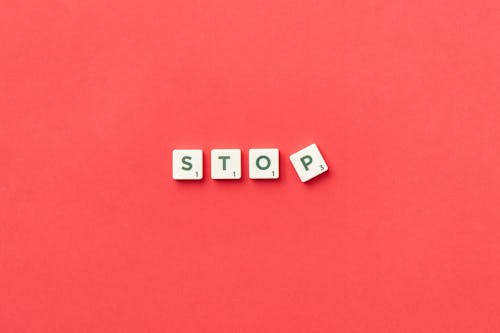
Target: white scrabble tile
x=264 y=163
x=187 y=164
x=308 y=163
x=226 y=163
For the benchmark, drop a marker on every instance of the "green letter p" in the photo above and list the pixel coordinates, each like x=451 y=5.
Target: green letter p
x=306 y=161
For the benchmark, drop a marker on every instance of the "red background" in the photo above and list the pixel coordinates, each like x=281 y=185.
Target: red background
x=401 y=235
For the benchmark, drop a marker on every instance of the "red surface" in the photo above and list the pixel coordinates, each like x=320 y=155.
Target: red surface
x=402 y=97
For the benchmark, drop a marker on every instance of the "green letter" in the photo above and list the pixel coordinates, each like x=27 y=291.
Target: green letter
x=224 y=158
x=306 y=161
x=189 y=165
x=268 y=162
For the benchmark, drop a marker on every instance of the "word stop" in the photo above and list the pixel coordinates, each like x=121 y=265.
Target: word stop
x=263 y=163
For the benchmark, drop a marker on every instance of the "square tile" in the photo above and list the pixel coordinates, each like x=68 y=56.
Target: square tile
x=308 y=163
x=264 y=163
x=226 y=164
x=187 y=164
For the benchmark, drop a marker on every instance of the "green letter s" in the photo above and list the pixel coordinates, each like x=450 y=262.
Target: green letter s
x=185 y=162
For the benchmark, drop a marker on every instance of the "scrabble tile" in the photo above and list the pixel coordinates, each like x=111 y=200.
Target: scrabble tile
x=308 y=163
x=264 y=163
x=187 y=164
x=226 y=163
